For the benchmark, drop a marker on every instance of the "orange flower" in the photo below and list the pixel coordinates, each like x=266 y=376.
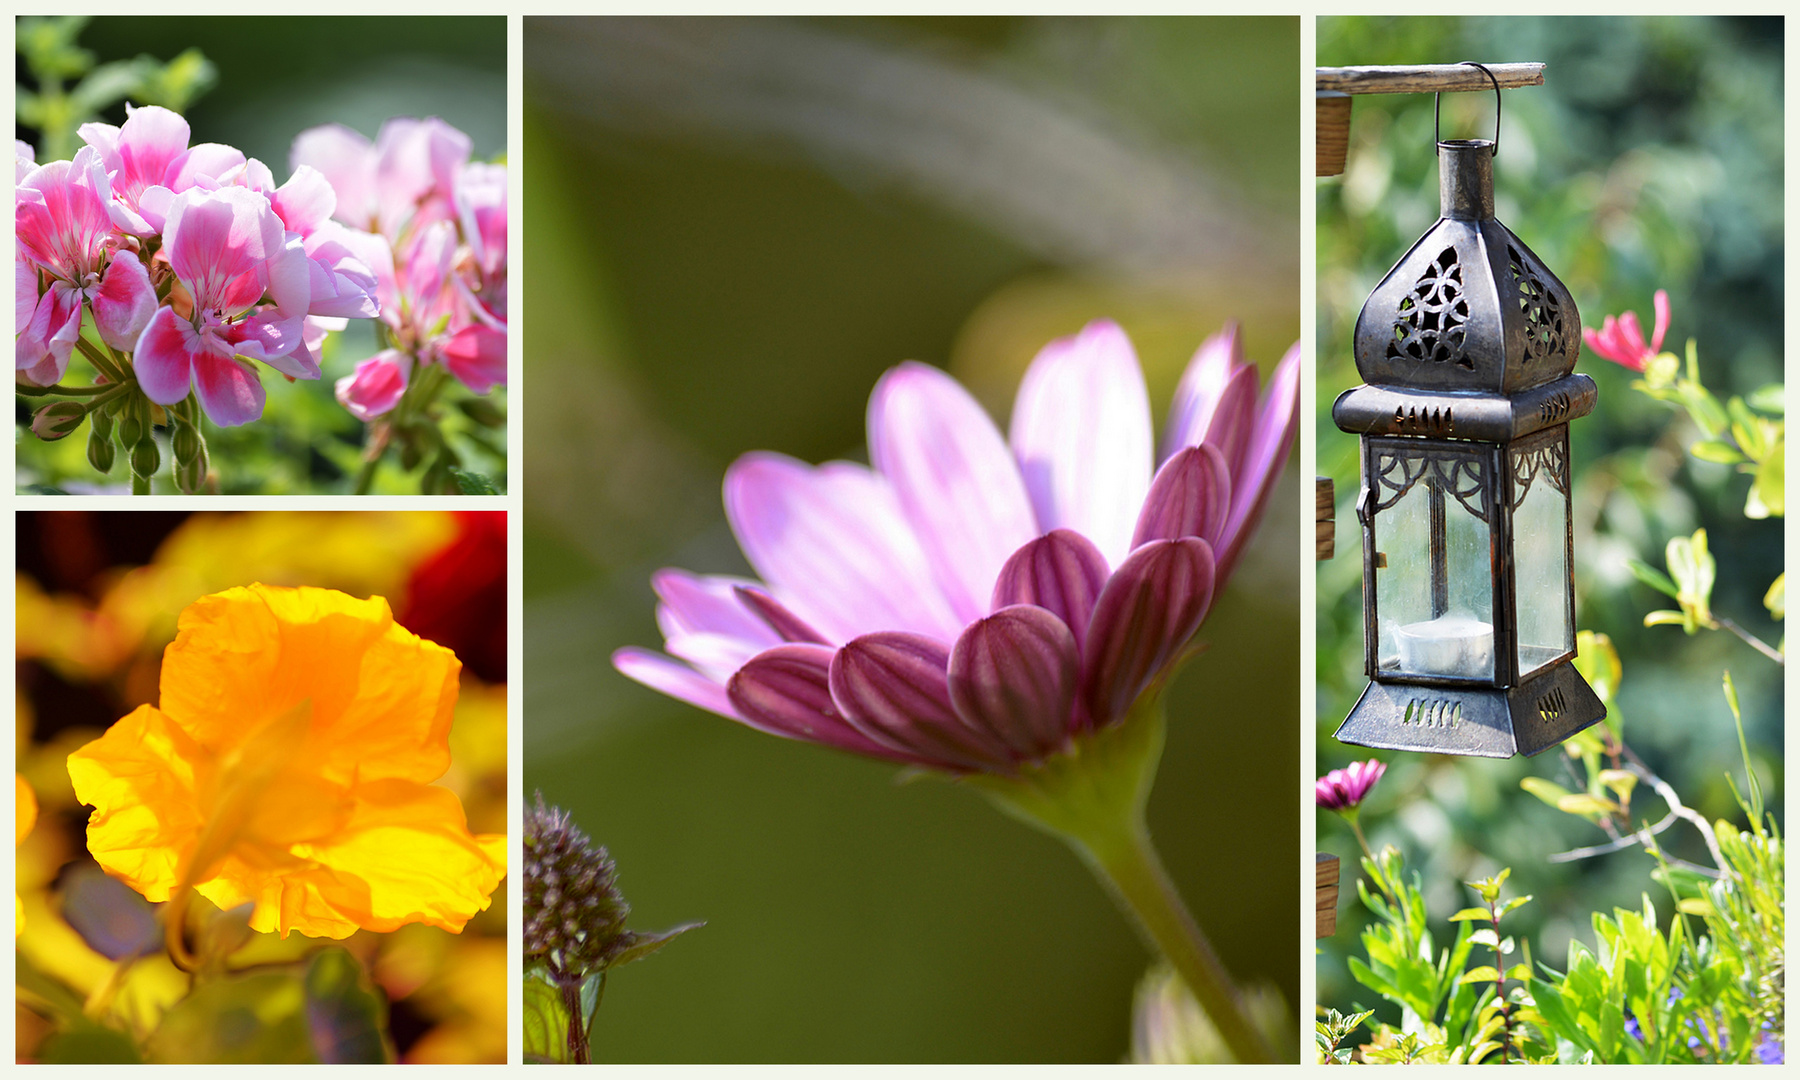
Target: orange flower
x=24 y=817
x=290 y=764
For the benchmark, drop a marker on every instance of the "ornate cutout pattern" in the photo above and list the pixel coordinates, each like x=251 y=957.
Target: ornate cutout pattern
x=1458 y=475
x=1433 y=712
x=1547 y=456
x=1432 y=317
x=1543 y=312
x=1551 y=705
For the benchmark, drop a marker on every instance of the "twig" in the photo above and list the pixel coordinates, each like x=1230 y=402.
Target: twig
x=1751 y=640
x=1619 y=844
x=1675 y=807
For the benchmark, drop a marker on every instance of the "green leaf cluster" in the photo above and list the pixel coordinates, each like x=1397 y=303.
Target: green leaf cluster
x=47 y=49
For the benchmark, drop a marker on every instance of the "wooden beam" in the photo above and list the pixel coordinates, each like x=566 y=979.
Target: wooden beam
x=1324 y=518
x=1332 y=144
x=1325 y=873
x=1425 y=78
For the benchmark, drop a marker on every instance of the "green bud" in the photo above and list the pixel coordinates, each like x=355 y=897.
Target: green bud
x=57 y=419
x=190 y=476
x=482 y=411
x=186 y=443
x=145 y=457
x=410 y=454
x=102 y=420
x=131 y=428
x=99 y=449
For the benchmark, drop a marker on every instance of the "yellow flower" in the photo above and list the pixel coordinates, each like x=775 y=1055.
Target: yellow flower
x=290 y=763
x=24 y=817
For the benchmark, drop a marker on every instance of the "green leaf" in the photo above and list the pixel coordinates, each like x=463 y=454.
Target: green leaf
x=89 y=1044
x=1514 y=904
x=1586 y=805
x=1769 y=399
x=644 y=944
x=546 y=1023
x=1469 y=913
x=1550 y=792
x=1654 y=578
x=472 y=483
x=237 y=1020
x=1767 y=498
x=1776 y=598
x=1715 y=450
x=347 y=1015
x=1479 y=975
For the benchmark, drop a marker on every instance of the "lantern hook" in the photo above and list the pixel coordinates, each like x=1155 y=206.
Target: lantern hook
x=1438 y=105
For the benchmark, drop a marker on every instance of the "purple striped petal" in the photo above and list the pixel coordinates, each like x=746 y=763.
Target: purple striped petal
x=1191 y=496
x=834 y=544
x=1215 y=401
x=665 y=676
x=955 y=479
x=784 y=691
x=1081 y=433
x=1061 y=572
x=783 y=622
x=1013 y=675
x=894 y=688
x=697 y=604
x=1149 y=609
x=1255 y=478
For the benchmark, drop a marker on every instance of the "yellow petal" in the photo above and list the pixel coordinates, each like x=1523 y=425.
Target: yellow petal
x=405 y=855
x=25 y=809
x=141 y=778
x=382 y=698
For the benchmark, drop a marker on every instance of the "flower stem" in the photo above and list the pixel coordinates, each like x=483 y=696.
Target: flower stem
x=1092 y=796
x=140 y=485
x=1130 y=868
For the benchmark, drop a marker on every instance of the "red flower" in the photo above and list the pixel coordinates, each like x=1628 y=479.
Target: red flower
x=457 y=597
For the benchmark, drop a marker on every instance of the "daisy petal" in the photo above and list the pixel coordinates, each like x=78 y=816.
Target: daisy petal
x=1061 y=572
x=1142 y=621
x=833 y=541
x=955 y=479
x=1191 y=496
x=778 y=618
x=1081 y=433
x=664 y=675
x=785 y=691
x=894 y=688
x=1013 y=675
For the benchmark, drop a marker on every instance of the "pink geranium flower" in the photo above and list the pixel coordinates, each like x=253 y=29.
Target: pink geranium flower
x=972 y=602
x=406 y=177
x=64 y=232
x=1621 y=340
x=1344 y=789
x=376 y=385
x=150 y=163
x=229 y=250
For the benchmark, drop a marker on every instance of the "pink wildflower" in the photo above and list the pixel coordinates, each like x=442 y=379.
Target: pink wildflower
x=64 y=232
x=969 y=605
x=150 y=163
x=1344 y=789
x=1621 y=340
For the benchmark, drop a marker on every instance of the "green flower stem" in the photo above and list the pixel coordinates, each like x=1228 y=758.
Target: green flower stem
x=365 y=476
x=140 y=485
x=1092 y=796
x=101 y=362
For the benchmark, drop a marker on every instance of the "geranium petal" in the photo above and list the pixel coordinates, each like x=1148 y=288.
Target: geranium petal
x=1061 y=572
x=124 y=303
x=894 y=688
x=955 y=479
x=1144 y=618
x=305 y=202
x=1191 y=496
x=163 y=361
x=1013 y=674
x=346 y=158
x=476 y=355
x=833 y=541
x=228 y=389
x=1081 y=433
x=786 y=691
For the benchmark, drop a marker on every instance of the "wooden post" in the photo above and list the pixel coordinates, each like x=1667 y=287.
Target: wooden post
x=1325 y=871
x=1332 y=141
x=1324 y=518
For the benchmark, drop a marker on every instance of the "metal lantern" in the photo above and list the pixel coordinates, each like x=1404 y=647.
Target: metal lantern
x=1466 y=349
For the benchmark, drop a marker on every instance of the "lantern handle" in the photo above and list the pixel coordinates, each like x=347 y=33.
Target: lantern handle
x=1438 y=105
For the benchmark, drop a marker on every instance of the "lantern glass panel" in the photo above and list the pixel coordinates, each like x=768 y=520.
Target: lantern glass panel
x=1434 y=595
x=1540 y=493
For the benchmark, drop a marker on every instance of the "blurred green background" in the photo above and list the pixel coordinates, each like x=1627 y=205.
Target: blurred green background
x=1650 y=158
x=278 y=76
x=734 y=226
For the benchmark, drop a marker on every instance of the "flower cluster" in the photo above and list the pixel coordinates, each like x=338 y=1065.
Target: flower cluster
x=440 y=262
x=192 y=266
x=973 y=602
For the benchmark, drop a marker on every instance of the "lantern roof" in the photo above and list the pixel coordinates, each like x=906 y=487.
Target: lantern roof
x=1470 y=307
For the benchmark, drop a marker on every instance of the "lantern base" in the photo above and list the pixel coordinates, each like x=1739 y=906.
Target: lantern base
x=1478 y=721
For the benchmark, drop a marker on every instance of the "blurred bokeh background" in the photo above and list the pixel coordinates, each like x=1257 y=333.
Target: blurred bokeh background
x=274 y=76
x=734 y=226
x=1650 y=158
x=97 y=599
